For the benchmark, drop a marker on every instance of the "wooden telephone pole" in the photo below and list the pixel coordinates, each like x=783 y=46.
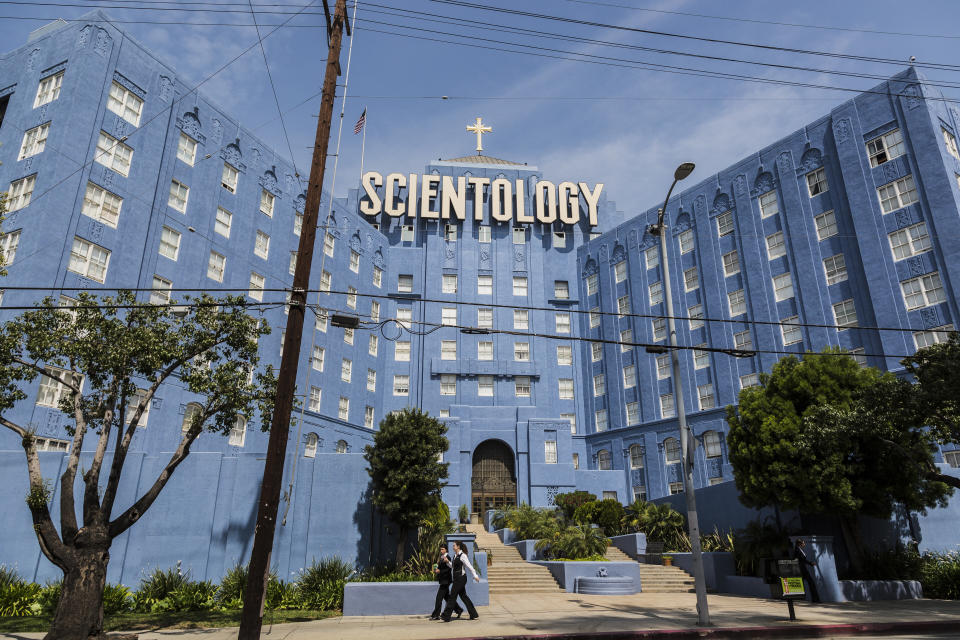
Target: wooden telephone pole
x=251 y=620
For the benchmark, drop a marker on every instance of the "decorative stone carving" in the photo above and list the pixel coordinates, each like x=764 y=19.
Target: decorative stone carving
x=217 y=131
x=288 y=181
x=913 y=96
x=119 y=128
x=84 y=36
x=891 y=170
x=785 y=162
x=683 y=219
x=356 y=243
x=763 y=183
x=721 y=203
x=107 y=179
x=232 y=155
x=300 y=203
x=28 y=164
x=519 y=259
x=166 y=88
x=603 y=257
x=619 y=253
x=590 y=267
x=450 y=253
x=156 y=403
x=740 y=185
x=841 y=130
x=96 y=230
x=32 y=60
x=104 y=43
x=930 y=317
x=633 y=239
x=904 y=218
x=190 y=124
x=255 y=156
x=378 y=258
x=552 y=493
x=811 y=159
x=916 y=265
x=699 y=205
x=269 y=181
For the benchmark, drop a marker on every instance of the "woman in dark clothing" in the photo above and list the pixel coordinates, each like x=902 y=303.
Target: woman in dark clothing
x=444 y=575
x=460 y=565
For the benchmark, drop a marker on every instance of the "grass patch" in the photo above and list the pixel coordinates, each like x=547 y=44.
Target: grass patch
x=167 y=620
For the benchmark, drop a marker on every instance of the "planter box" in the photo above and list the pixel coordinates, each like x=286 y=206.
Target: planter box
x=745 y=586
x=566 y=573
x=506 y=535
x=868 y=590
x=401 y=598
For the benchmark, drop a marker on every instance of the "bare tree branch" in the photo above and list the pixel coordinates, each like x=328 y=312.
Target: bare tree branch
x=68 y=508
x=43 y=371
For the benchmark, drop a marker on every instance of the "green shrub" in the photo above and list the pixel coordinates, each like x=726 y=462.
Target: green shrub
x=529 y=523
x=568 y=502
x=8 y=575
x=49 y=597
x=578 y=542
x=320 y=586
x=759 y=540
x=19 y=599
x=393 y=576
x=940 y=575
x=608 y=514
x=500 y=517
x=116 y=598
x=161 y=583
x=230 y=593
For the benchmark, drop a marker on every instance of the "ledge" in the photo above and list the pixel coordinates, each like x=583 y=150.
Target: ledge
x=401 y=598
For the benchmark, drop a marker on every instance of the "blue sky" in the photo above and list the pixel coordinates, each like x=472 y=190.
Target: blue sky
x=625 y=127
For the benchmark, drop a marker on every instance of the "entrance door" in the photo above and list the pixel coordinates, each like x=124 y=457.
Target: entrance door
x=494 y=481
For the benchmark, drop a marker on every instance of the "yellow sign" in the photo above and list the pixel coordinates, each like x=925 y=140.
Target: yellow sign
x=792 y=586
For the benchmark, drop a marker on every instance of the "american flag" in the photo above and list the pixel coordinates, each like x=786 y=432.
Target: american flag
x=357 y=128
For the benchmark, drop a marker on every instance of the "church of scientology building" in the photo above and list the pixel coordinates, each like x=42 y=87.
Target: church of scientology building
x=519 y=307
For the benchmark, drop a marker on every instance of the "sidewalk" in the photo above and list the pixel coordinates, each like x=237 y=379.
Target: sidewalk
x=636 y=616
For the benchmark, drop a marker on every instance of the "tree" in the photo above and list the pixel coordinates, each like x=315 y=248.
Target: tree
x=937 y=372
x=568 y=502
x=405 y=468
x=103 y=361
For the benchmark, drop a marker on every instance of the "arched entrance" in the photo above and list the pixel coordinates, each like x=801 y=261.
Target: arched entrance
x=494 y=480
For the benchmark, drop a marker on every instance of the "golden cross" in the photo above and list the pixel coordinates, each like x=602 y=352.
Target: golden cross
x=479 y=129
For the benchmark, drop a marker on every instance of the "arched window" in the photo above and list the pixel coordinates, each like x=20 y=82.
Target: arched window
x=310 y=446
x=603 y=460
x=341 y=446
x=636 y=456
x=193 y=409
x=239 y=432
x=711 y=444
x=671 y=448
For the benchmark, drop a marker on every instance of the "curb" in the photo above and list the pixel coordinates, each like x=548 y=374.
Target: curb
x=723 y=633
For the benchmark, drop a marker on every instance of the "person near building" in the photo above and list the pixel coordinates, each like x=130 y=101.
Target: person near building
x=459 y=567
x=805 y=565
x=444 y=575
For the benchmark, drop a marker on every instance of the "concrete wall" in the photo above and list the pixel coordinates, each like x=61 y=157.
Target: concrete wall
x=401 y=598
x=566 y=573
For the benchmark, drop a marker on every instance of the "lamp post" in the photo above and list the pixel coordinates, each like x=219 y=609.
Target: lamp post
x=686 y=441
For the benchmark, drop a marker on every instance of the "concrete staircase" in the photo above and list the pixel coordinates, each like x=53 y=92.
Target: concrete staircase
x=508 y=571
x=655 y=578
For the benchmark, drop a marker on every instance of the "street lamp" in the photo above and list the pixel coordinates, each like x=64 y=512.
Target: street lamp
x=686 y=441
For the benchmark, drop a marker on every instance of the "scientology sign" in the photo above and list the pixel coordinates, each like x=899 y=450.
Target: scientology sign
x=445 y=197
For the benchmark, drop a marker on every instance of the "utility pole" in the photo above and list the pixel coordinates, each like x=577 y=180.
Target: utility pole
x=251 y=619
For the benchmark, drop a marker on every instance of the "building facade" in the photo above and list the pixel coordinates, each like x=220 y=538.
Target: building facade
x=518 y=309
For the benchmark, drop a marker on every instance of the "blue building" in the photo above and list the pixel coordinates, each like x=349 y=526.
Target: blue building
x=513 y=306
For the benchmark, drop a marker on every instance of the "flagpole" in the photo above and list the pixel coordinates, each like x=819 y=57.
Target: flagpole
x=363 y=143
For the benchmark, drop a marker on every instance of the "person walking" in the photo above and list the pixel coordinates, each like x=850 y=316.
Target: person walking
x=460 y=564
x=805 y=564
x=444 y=575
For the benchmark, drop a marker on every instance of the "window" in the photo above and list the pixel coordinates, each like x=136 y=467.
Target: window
x=950 y=142
x=238 y=433
x=378 y=277
x=550 y=451
x=845 y=313
x=623 y=305
x=267 y=201
x=826 y=225
x=629 y=376
x=599 y=384
x=596 y=351
x=401 y=385
x=521 y=351
x=374 y=311
x=782 y=286
x=483 y=233
x=484 y=285
x=559 y=240
x=222 y=223
x=20 y=193
x=620 y=271
x=731 y=263
x=191 y=413
x=355 y=261
x=664 y=367
x=261 y=245
x=626 y=337
x=348 y=335
x=652 y=257
x=133 y=403
x=737 y=303
x=600 y=417
x=909 y=242
x=666 y=405
x=636 y=456
x=450 y=233
x=603 y=460
x=104 y=206
x=34 y=141
x=342 y=446
x=927 y=338
x=835 y=268
x=485 y=350
x=187 y=149
x=448 y=316
x=564 y=355
x=325 y=279
x=346 y=370
x=329 y=243
x=125 y=104
x=656 y=293
x=351 y=295
x=86 y=258
x=695 y=315
x=705 y=395
x=448 y=349
x=817 y=182
x=671 y=450
x=565 y=386
x=563 y=322
x=401 y=351
x=519 y=285
x=923 y=291
x=485 y=318
x=858 y=356
x=310 y=445
x=323 y=318
x=522 y=386
x=593 y=284
x=114 y=154
x=48 y=90
x=576 y=461
x=561 y=289
x=257 y=282
x=749 y=380
x=519 y=235
x=686 y=241
x=725 y=223
x=343 y=412
x=639 y=493
x=373 y=344
x=179 y=193
x=449 y=283
x=691 y=280
x=675 y=488
x=573 y=421
x=885 y=148
x=776 y=246
x=659 y=329
x=51 y=391
x=896 y=194
x=521 y=319
x=292 y=268
x=406 y=233
x=768 y=204
x=743 y=341
x=485 y=386
x=701 y=357
x=316 y=360
x=216 y=265
x=368 y=417
x=952 y=458
x=448 y=385
x=789 y=330
x=229 y=179
x=405 y=283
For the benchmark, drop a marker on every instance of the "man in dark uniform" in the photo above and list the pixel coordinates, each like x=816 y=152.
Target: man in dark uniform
x=805 y=564
x=444 y=575
x=460 y=564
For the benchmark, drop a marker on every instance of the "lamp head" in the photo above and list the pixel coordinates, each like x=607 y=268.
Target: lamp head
x=683 y=171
